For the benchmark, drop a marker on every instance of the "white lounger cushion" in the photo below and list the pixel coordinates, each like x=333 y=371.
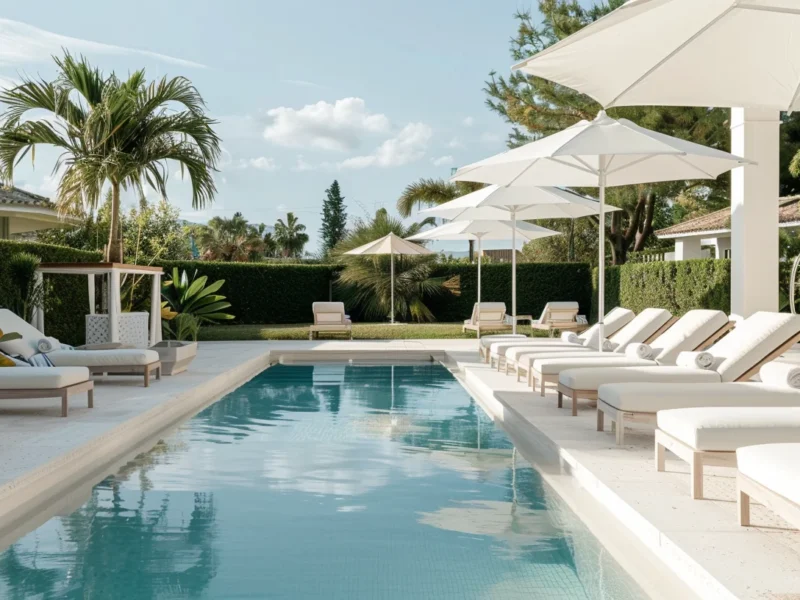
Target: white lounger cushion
x=503 y=348
x=41 y=378
x=644 y=397
x=551 y=306
x=751 y=341
x=492 y=313
x=691 y=330
x=102 y=358
x=641 y=328
x=725 y=429
x=592 y=378
x=554 y=366
x=775 y=466
x=488 y=340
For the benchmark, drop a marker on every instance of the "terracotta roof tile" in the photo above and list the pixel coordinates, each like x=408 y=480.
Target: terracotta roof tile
x=14 y=195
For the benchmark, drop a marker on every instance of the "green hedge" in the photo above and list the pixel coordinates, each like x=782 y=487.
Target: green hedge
x=537 y=284
x=64 y=318
x=677 y=286
x=266 y=293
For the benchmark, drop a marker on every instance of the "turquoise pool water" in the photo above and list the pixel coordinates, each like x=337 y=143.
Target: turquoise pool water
x=335 y=482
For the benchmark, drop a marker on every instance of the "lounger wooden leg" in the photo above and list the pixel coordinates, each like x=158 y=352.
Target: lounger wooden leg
x=530 y=378
x=146 y=377
x=541 y=383
x=620 y=429
x=508 y=367
x=574 y=404
x=697 y=476
x=743 y=502
x=560 y=400
x=158 y=373
x=660 y=458
x=90 y=394
x=600 y=420
x=64 y=400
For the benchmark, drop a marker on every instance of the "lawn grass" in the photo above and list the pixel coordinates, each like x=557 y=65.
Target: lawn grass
x=361 y=331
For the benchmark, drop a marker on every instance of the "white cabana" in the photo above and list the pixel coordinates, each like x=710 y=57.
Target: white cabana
x=485 y=230
x=390 y=244
x=745 y=55
x=600 y=153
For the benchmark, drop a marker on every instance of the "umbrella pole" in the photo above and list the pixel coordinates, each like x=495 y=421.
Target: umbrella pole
x=601 y=271
x=392 y=278
x=479 y=286
x=514 y=270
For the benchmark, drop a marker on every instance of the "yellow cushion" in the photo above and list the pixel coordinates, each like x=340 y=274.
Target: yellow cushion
x=6 y=362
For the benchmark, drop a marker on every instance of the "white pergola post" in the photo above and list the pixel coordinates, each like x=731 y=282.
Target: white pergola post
x=114 y=305
x=37 y=318
x=155 y=309
x=92 y=296
x=755 y=134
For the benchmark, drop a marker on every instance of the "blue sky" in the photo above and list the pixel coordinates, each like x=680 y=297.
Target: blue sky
x=375 y=94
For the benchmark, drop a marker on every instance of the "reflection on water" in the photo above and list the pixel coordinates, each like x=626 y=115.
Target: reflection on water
x=319 y=482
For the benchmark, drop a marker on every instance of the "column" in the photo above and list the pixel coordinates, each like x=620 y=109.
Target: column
x=37 y=316
x=155 y=309
x=755 y=134
x=722 y=246
x=688 y=248
x=92 y=296
x=114 y=305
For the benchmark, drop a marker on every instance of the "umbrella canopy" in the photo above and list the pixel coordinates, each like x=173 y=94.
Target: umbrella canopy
x=603 y=152
x=390 y=244
x=687 y=53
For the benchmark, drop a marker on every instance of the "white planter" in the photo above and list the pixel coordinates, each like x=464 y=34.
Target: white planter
x=175 y=356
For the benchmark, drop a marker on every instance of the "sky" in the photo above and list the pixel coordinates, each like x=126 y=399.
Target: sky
x=373 y=94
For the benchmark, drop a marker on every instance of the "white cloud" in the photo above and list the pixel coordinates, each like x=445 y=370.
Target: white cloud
x=339 y=126
x=23 y=44
x=407 y=146
x=455 y=143
x=443 y=161
x=302 y=165
x=261 y=163
x=468 y=122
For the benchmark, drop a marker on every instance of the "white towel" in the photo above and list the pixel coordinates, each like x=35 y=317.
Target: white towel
x=570 y=337
x=609 y=346
x=781 y=373
x=48 y=344
x=696 y=360
x=639 y=351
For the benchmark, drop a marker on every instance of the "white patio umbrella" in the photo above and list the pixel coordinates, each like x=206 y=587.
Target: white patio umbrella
x=601 y=153
x=682 y=53
x=390 y=244
x=486 y=230
x=496 y=202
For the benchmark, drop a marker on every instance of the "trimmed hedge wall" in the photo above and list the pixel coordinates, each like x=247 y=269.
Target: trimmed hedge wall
x=537 y=284
x=266 y=293
x=677 y=286
x=62 y=320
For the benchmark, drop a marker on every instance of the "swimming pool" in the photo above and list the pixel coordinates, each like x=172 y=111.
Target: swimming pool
x=328 y=481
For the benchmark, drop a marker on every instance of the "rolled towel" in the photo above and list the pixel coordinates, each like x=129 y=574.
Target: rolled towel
x=48 y=344
x=781 y=374
x=609 y=346
x=639 y=351
x=696 y=360
x=570 y=337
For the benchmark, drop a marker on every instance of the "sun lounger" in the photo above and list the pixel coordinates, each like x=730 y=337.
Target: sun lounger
x=628 y=394
x=557 y=316
x=487 y=315
x=770 y=474
x=111 y=362
x=497 y=349
x=644 y=327
x=329 y=317
x=751 y=413
x=694 y=331
x=46 y=382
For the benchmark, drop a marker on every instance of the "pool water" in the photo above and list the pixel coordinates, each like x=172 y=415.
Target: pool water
x=333 y=481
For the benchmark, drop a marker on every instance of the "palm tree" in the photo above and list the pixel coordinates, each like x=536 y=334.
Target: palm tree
x=231 y=240
x=366 y=281
x=432 y=192
x=270 y=245
x=290 y=236
x=111 y=132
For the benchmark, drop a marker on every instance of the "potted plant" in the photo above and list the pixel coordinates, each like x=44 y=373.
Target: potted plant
x=180 y=348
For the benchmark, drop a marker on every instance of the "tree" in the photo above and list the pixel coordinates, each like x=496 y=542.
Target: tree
x=536 y=107
x=231 y=239
x=334 y=218
x=366 y=280
x=111 y=132
x=290 y=236
x=433 y=192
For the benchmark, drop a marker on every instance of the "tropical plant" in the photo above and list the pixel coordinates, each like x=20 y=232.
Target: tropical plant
x=432 y=192
x=365 y=281
x=334 y=218
x=28 y=292
x=191 y=295
x=291 y=236
x=111 y=132
x=232 y=239
x=535 y=107
x=181 y=327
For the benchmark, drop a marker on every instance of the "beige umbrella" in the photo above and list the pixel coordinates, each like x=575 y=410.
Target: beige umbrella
x=390 y=244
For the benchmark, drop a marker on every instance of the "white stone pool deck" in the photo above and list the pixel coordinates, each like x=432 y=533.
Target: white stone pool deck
x=630 y=506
